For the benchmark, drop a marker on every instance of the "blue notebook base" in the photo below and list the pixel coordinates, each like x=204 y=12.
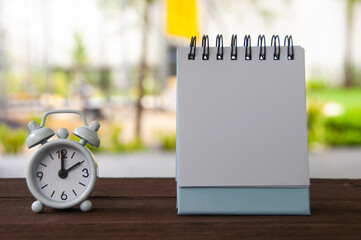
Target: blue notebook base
x=244 y=200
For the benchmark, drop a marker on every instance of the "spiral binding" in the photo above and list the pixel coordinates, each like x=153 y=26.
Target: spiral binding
x=247 y=45
x=192 y=45
x=234 y=47
x=290 y=52
x=205 y=45
x=277 y=49
x=219 y=46
x=261 y=43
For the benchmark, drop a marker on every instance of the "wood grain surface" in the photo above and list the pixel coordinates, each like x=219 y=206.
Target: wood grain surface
x=144 y=208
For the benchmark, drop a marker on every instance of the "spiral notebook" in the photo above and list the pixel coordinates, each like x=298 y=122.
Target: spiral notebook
x=242 y=128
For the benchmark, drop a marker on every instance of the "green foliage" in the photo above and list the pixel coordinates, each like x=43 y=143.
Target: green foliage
x=95 y=150
x=348 y=98
x=341 y=130
x=38 y=81
x=149 y=85
x=314 y=122
x=131 y=146
x=356 y=75
x=168 y=141
x=61 y=81
x=116 y=145
x=105 y=82
x=13 y=83
x=112 y=143
x=90 y=147
x=100 y=78
x=12 y=140
x=315 y=83
x=80 y=56
x=22 y=85
x=36 y=118
x=344 y=129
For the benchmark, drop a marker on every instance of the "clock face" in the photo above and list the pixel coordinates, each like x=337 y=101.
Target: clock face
x=61 y=173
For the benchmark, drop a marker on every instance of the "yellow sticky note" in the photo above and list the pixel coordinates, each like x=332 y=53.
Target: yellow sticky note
x=181 y=18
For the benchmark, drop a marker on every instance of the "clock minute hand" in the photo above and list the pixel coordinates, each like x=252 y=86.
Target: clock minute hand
x=74 y=166
x=62 y=172
x=62 y=159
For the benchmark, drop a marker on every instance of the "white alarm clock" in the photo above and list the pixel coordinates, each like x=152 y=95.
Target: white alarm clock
x=62 y=173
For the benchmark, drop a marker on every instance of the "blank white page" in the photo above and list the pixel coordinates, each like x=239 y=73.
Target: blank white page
x=241 y=122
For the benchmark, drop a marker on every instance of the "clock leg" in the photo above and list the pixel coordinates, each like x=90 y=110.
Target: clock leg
x=86 y=206
x=37 y=207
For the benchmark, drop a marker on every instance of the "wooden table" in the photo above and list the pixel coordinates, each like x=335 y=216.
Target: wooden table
x=146 y=208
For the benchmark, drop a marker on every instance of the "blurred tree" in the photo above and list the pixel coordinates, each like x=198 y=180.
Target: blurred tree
x=143 y=67
x=143 y=9
x=105 y=82
x=80 y=58
x=80 y=62
x=350 y=6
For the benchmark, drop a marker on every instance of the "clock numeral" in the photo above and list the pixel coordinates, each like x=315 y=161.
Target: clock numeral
x=64 y=153
x=86 y=172
x=40 y=175
x=63 y=196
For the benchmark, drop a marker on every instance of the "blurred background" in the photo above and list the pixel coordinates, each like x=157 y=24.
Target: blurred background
x=116 y=61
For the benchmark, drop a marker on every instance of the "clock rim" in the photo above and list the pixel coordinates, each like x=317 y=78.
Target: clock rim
x=60 y=205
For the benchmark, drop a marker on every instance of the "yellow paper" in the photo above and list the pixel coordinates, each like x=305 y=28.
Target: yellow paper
x=181 y=18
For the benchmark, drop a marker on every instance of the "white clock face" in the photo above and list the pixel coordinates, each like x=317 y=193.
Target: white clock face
x=62 y=173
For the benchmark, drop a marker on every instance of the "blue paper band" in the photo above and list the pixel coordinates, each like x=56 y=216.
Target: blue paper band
x=244 y=200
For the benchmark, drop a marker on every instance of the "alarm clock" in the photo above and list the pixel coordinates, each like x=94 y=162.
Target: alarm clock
x=62 y=173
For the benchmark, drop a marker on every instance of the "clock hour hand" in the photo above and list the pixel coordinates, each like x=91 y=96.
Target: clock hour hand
x=74 y=166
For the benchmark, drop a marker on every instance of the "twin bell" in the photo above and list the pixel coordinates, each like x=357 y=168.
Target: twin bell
x=40 y=135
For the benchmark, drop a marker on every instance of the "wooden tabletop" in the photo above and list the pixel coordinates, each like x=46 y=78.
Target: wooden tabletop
x=144 y=208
